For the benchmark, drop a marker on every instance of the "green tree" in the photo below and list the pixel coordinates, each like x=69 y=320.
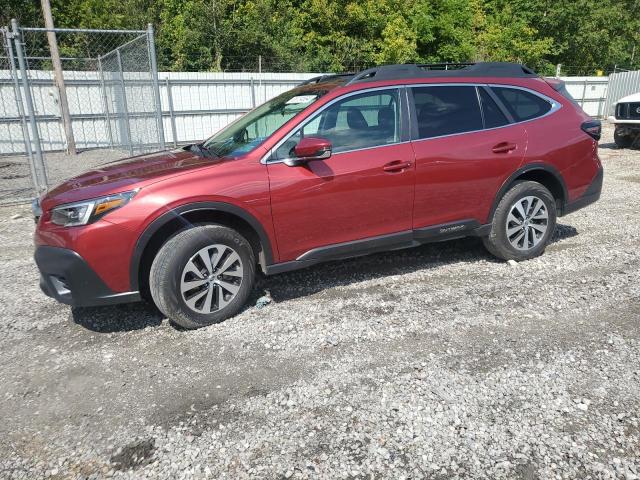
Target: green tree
x=507 y=37
x=399 y=42
x=339 y=35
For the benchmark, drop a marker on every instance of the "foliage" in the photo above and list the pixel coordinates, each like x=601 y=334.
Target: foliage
x=339 y=35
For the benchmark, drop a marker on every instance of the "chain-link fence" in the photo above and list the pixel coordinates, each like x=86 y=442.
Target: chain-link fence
x=111 y=86
x=17 y=179
x=132 y=114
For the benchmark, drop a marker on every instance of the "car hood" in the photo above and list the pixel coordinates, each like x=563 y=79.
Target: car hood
x=630 y=98
x=127 y=174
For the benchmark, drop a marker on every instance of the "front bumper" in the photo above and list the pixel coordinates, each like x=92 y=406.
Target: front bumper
x=624 y=121
x=66 y=276
x=591 y=195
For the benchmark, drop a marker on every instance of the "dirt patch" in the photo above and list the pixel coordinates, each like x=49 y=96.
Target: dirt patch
x=632 y=178
x=134 y=455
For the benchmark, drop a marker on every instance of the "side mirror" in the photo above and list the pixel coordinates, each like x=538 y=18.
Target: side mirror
x=310 y=148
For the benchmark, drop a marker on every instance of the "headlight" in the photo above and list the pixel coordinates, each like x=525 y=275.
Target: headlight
x=88 y=211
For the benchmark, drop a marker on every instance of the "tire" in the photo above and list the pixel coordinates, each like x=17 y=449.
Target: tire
x=622 y=141
x=210 y=296
x=505 y=240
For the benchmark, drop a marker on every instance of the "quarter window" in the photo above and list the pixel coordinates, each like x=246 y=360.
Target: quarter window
x=522 y=105
x=361 y=121
x=444 y=110
x=493 y=116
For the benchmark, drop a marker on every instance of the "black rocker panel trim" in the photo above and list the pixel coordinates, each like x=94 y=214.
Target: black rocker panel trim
x=358 y=247
x=178 y=213
x=393 y=241
x=449 y=231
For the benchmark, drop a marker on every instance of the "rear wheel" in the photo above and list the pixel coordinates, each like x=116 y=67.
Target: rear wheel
x=622 y=141
x=523 y=222
x=202 y=276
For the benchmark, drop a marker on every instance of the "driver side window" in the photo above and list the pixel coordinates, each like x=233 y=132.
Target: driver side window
x=359 y=121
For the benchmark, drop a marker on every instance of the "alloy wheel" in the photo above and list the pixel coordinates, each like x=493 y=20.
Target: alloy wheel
x=211 y=278
x=527 y=223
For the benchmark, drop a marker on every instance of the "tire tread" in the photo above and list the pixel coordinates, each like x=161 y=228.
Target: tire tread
x=163 y=293
x=495 y=243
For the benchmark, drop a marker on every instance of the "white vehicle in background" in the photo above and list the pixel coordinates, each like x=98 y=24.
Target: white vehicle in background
x=627 y=121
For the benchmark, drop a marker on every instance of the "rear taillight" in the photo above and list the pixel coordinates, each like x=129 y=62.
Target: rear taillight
x=593 y=128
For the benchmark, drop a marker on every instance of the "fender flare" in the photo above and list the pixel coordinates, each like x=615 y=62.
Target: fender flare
x=178 y=213
x=530 y=167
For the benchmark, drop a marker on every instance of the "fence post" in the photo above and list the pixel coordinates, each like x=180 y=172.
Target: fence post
x=20 y=108
x=41 y=172
x=156 y=86
x=584 y=93
x=600 y=102
x=125 y=107
x=174 y=130
x=105 y=102
x=253 y=93
x=260 y=76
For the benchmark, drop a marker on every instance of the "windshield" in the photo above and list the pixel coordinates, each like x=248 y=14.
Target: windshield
x=255 y=127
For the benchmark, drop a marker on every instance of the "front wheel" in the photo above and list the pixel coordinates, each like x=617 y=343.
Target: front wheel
x=202 y=276
x=523 y=222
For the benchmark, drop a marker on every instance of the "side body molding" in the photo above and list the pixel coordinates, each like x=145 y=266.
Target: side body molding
x=383 y=243
x=178 y=214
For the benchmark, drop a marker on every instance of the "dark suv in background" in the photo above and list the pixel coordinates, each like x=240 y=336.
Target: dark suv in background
x=343 y=165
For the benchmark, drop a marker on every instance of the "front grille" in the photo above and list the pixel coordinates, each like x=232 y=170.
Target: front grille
x=628 y=111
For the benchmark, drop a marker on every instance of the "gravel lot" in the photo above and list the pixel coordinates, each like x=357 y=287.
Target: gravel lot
x=437 y=362
x=15 y=176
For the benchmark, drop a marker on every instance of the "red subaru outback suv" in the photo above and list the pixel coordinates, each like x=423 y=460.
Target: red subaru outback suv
x=342 y=165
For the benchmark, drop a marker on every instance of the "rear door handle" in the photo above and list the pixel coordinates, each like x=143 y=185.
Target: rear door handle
x=396 y=166
x=504 y=147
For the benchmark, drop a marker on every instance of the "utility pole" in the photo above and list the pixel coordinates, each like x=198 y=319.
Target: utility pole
x=59 y=77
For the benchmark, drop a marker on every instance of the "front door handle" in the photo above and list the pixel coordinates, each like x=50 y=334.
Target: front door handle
x=504 y=147
x=396 y=166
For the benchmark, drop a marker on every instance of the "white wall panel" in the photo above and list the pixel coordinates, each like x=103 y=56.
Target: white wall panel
x=203 y=103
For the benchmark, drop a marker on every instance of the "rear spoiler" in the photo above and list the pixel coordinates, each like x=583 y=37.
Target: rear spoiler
x=554 y=83
x=560 y=87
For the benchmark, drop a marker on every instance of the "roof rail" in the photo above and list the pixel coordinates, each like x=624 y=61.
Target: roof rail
x=413 y=70
x=326 y=78
x=444 y=66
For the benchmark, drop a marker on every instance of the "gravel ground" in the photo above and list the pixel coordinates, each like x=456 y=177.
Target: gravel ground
x=15 y=176
x=436 y=362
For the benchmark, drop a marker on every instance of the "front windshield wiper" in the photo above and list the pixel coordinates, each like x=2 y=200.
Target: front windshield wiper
x=199 y=148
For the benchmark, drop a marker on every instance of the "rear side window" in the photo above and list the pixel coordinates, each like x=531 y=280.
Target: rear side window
x=446 y=110
x=493 y=116
x=521 y=104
